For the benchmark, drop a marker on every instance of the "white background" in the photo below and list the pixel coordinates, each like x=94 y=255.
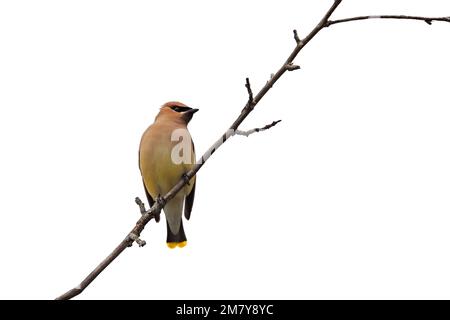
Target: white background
x=348 y=197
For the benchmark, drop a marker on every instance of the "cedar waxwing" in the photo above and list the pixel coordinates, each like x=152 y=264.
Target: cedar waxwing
x=161 y=168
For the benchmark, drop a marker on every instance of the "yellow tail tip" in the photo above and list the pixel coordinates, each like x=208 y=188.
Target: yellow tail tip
x=173 y=245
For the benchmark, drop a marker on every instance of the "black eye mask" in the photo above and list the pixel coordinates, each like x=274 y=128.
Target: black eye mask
x=180 y=109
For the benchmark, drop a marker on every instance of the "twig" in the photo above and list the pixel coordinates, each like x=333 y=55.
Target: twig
x=428 y=20
x=296 y=37
x=292 y=67
x=249 y=132
x=138 y=240
x=252 y=102
x=140 y=204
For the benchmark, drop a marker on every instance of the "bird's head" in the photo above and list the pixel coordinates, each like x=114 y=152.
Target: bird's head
x=176 y=111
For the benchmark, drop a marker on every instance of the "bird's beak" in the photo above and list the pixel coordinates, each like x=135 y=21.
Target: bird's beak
x=192 y=111
x=187 y=115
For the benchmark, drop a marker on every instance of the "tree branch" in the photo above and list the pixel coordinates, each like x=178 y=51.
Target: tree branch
x=155 y=210
x=249 y=132
x=428 y=20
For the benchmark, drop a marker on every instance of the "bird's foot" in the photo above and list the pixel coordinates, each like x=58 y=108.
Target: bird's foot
x=157 y=216
x=162 y=202
x=186 y=178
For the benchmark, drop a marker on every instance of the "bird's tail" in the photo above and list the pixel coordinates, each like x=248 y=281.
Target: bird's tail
x=176 y=240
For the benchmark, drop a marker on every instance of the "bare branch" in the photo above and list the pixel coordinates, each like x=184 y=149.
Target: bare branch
x=154 y=211
x=292 y=67
x=251 y=102
x=140 y=204
x=139 y=241
x=127 y=242
x=427 y=20
x=296 y=37
x=249 y=132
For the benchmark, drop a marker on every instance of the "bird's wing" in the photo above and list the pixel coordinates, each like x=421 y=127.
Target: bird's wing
x=151 y=201
x=189 y=202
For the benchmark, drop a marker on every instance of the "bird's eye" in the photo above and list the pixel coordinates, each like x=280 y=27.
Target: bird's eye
x=180 y=109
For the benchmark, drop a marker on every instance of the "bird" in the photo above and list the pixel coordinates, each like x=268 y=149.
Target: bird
x=164 y=160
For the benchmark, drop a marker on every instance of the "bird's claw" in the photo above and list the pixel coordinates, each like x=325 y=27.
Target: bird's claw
x=186 y=178
x=162 y=202
x=157 y=216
